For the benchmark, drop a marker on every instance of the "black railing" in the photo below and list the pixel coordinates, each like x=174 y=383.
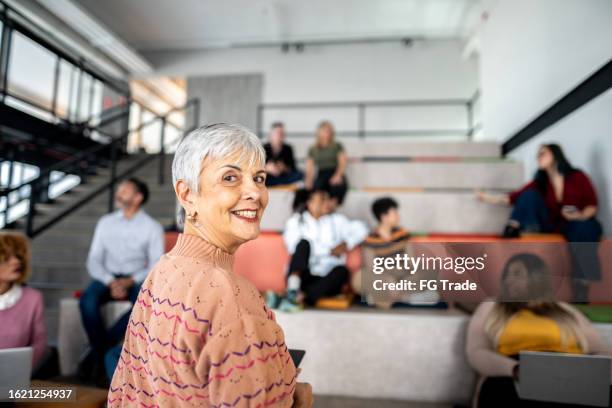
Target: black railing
x=593 y=86
x=76 y=116
x=362 y=107
x=13 y=20
x=84 y=164
x=78 y=67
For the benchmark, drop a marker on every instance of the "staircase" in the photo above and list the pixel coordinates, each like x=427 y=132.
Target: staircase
x=433 y=182
x=59 y=254
x=434 y=190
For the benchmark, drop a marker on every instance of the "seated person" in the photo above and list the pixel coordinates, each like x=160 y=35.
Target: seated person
x=388 y=239
x=21 y=308
x=559 y=199
x=326 y=165
x=525 y=317
x=280 y=163
x=318 y=242
x=125 y=245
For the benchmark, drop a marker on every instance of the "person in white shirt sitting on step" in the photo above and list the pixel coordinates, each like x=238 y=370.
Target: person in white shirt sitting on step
x=318 y=242
x=125 y=245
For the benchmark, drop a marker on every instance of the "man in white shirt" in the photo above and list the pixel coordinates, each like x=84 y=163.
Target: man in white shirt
x=125 y=245
x=318 y=242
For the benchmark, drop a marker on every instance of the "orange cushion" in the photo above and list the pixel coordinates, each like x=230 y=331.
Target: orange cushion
x=170 y=238
x=264 y=261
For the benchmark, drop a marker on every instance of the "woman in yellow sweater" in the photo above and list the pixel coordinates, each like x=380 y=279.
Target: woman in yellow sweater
x=526 y=317
x=199 y=335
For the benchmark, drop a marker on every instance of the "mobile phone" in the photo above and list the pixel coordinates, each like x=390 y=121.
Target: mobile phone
x=569 y=208
x=296 y=356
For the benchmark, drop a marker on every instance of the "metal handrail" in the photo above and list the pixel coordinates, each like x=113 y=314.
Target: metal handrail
x=68 y=164
x=60 y=48
x=64 y=164
x=363 y=105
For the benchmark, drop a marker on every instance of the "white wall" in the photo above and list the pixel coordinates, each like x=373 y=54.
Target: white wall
x=586 y=135
x=532 y=53
x=535 y=51
x=427 y=70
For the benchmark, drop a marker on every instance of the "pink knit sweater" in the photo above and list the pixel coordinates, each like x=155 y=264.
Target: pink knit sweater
x=23 y=325
x=199 y=335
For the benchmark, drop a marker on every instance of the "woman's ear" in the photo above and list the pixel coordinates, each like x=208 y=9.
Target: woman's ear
x=185 y=196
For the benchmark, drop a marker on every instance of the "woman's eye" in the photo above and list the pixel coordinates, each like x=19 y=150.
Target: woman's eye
x=260 y=179
x=230 y=178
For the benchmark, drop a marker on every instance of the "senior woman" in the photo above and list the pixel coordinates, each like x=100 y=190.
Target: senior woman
x=21 y=308
x=199 y=335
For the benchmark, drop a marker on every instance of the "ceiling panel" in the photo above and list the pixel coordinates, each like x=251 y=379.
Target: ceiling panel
x=188 y=24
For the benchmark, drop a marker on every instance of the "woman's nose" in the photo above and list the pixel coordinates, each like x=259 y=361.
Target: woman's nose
x=251 y=191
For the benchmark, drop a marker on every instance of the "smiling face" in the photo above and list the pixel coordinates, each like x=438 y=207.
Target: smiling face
x=231 y=201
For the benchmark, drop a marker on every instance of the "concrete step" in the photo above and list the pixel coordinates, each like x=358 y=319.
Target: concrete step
x=397 y=174
x=60 y=273
x=88 y=222
x=425 y=211
x=155 y=210
x=51 y=318
x=66 y=253
x=392 y=147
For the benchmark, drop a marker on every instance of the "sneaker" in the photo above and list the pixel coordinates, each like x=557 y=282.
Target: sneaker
x=511 y=232
x=272 y=299
x=288 y=306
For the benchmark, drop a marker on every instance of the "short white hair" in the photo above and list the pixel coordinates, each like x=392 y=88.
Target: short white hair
x=212 y=141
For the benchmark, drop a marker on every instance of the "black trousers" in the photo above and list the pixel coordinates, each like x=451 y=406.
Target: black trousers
x=499 y=392
x=338 y=191
x=316 y=287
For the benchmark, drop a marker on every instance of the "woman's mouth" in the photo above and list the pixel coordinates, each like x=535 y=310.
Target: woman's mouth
x=246 y=215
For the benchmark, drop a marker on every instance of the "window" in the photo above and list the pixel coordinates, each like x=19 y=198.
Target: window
x=31 y=71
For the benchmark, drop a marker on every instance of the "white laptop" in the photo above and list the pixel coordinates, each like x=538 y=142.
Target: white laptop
x=565 y=378
x=15 y=370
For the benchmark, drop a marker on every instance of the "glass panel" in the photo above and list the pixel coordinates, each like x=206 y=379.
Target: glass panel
x=85 y=98
x=31 y=71
x=96 y=103
x=134 y=141
x=75 y=78
x=61 y=182
x=149 y=135
x=65 y=79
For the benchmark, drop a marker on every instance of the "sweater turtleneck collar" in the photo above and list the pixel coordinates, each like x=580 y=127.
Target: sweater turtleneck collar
x=194 y=246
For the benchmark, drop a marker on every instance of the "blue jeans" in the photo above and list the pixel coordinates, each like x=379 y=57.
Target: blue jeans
x=284 y=179
x=584 y=236
x=111 y=359
x=531 y=213
x=100 y=339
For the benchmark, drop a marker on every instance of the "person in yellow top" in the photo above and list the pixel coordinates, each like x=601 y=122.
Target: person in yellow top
x=525 y=317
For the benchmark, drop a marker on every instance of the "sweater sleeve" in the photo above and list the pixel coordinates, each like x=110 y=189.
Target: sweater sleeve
x=588 y=194
x=38 y=339
x=513 y=196
x=290 y=158
x=248 y=363
x=594 y=341
x=480 y=352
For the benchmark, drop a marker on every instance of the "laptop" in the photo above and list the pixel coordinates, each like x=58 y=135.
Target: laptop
x=15 y=370
x=565 y=378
